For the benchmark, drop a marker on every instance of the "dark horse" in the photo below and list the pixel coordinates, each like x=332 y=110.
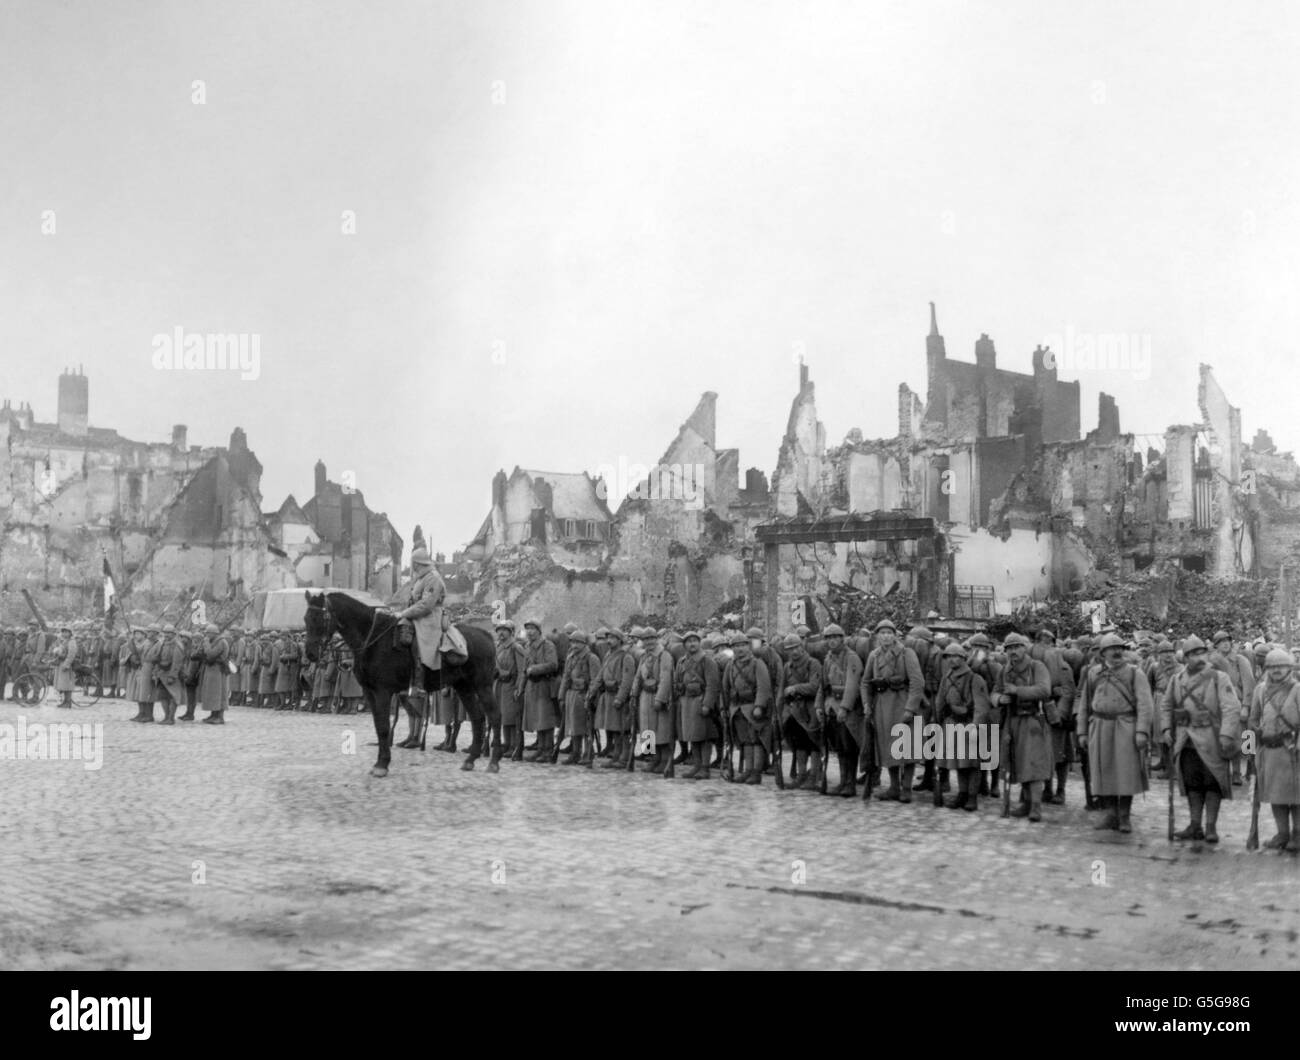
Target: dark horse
x=384 y=669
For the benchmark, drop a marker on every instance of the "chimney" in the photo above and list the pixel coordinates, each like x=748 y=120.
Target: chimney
x=499 y=490
x=179 y=438
x=803 y=375
x=985 y=355
x=74 y=401
x=1044 y=362
x=320 y=477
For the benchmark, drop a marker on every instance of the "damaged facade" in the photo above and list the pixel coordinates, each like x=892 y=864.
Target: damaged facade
x=167 y=515
x=988 y=496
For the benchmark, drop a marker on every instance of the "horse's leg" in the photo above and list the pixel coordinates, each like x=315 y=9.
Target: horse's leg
x=494 y=720
x=469 y=697
x=373 y=701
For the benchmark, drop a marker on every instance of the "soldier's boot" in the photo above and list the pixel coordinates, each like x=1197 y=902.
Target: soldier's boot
x=994 y=790
x=1293 y=845
x=217 y=717
x=534 y=751
x=926 y=782
x=812 y=776
x=683 y=753
x=905 y=783
x=1195 y=805
x=799 y=767
x=696 y=755
x=848 y=788
x=758 y=764
x=1036 y=800
x=1111 y=820
x=1062 y=771
x=547 y=741
x=868 y=783
x=943 y=779
x=894 y=794
x=189 y=713
x=139 y=713
x=984 y=782
x=146 y=713
x=658 y=765
x=1282 y=819
x=973 y=791
x=169 y=713
x=613 y=745
x=1021 y=809
x=1125 y=807
x=575 y=752
x=670 y=763
x=67 y=700
x=1212 y=801
x=958 y=801
x=1236 y=783
x=706 y=753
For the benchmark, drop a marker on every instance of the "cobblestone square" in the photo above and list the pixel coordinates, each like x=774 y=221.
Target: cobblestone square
x=305 y=861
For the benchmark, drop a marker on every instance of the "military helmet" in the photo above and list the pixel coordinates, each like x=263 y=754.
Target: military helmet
x=692 y=634
x=792 y=640
x=1047 y=631
x=1163 y=646
x=803 y=631
x=922 y=632
x=420 y=558
x=211 y=627
x=737 y=639
x=534 y=623
x=833 y=630
x=1111 y=640
x=169 y=628
x=504 y=623
x=1279 y=657
x=1220 y=635
x=955 y=649
x=616 y=634
x=601 y=633
x=648 y=633
x=980 y=640
x=754 y=633
x=1012 y=639
x=579 y=636
x=884 y=623
x=1193 y=643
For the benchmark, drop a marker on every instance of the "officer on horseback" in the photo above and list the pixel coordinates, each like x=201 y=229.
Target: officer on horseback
x=418 y=605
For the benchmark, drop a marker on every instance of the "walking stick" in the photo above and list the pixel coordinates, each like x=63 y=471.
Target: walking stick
x=1252 y=840
x=777 y=751
x=1170 y=828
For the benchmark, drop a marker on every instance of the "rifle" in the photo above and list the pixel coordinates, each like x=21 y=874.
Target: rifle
x=1252 y=840
x=728 y=770
x=235 y=617
x=777 y=750
x=1084 y=764
x=40 y=619
x=1171 y=794
x=564 y=725
x=1006 y=773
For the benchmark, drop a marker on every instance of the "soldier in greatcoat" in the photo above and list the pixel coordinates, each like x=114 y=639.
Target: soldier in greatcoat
x=167 y=667
x=540 y=714
x=579 y=686
x=191 y=671
x=1023 y=689
x=652 y=692
x=801 y=726
x=214 y=683
x=1239 y=667
x=286 y=672
x=148 y=686
x=892 y=688
x=921 y=640
x=1115 y=719
x=614 y=707
x=508 y=687
x=65 y=659
x=776 y=672
x=1275 y=720
x=1060 y=711
x=697 y=682
x=979 y=657
x=1164 y=664
x=268 y=657
x=840 y=717
x=1200 y=720
x=962 y=704
x=131 y=660
x=747 y=695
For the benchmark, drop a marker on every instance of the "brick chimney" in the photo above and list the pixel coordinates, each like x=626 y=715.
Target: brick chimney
x=180 y=437
x=74 y=402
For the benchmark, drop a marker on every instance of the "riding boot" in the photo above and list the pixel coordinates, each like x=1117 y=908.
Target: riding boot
x=1111 y=820
x=662 y=753
x=758 y=758
x=1282 y=819
x=575 y=752
x=944 y=783
x=905 y=784
x=958 y=801
x=1212 y=801
x=973 y=790
x=894 y=794
x=1058 y=796
x=683 y=753
x=1035 y=800
x=217 y=717
x=613 y=747
x=926 y=782
x=1125 y=805
x=1195 y=805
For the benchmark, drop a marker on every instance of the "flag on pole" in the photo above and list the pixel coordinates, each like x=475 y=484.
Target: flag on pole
x=110 y=591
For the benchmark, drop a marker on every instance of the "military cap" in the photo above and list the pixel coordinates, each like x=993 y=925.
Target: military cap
x=1278 y=657
x=1012 y=639
x=1111 y=640
x=955 y=649
x=579 y=636
x=792 y=640
x=1193 y=643
x=884 y=623
x=692 y=634
x=922 y=632
x=738 y=639
x=1219 y=635
x=833 y=630
x=636 y=632
x=754 y=633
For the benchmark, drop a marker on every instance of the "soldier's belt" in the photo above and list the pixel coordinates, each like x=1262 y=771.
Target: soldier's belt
x=1276 y=741
x=1116 y=714
x=1031 y=710
x=837 y=691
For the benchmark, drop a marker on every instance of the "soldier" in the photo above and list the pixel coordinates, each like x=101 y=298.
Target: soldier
x=191 y=646
x=1225 y=657
x=579 y=687
x=235 y=682
x=6 y=654
x=1163 y=667
x=167 y=665
x=1060 y=711
x=540 y=664
x=979 y=657
x=840 y=714
x=147 y=684
x=921 y=641
x=747 y=694
x=215 y=679
x=892 y=687
x=1023 y=687
x=131 y=659
x=286 y=672
x=962 y=700
x=776 y=673
x=268 y=659
x=418 y=607
x=508 y=687
x=652 y=691
x=1200 y=719
x=697 y=682
x=798 y=717
x=1114 y=724
x=348 y=694
x=65 y=656
x=1275 y=719
x=617 y=673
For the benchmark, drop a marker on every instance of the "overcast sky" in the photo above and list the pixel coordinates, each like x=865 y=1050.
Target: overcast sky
x=572 y=218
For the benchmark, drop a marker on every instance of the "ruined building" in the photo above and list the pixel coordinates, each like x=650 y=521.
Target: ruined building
x=166 y=515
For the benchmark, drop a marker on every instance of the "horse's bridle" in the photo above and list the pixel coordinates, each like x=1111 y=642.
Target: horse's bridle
x=332 y=626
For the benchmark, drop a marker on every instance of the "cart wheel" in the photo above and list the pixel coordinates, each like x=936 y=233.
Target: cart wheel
x=87 y=690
